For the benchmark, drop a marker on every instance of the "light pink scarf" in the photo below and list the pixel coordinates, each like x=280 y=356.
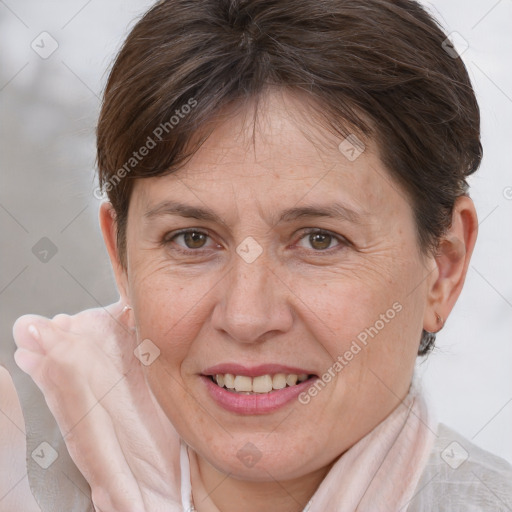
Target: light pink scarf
x=377 y=474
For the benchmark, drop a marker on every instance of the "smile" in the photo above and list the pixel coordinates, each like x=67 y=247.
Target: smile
x=260 y=384
x=258 y=390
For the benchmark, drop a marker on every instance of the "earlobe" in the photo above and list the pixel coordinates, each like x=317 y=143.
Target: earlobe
x=452 y=262
x=108 y=226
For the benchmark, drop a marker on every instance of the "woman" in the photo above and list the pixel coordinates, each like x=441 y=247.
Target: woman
x=289 y=226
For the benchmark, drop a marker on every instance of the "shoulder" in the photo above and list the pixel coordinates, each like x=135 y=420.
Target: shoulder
x=460 y=476
x=15 y=492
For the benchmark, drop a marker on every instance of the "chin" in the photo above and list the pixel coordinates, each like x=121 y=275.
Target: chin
x=260 y=460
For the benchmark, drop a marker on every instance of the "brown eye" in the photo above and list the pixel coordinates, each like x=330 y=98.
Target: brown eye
x=320 y=240
x=187 y=240
x=194 y=239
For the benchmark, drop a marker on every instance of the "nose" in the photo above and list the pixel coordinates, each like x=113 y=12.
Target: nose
x=253 y=304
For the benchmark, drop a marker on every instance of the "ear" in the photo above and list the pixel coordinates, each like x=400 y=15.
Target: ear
x=451 y=264
x=107 y=217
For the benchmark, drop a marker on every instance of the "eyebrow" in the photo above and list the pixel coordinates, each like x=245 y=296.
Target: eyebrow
x=333 y=210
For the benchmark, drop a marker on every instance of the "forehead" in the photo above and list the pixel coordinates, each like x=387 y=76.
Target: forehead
x=273 y=153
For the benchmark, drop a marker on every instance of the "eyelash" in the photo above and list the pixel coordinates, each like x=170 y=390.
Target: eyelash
x=342 y=241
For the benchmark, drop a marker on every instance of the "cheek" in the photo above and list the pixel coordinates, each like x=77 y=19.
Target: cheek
x=341 y=305
x=365 y=318
x=167 y=308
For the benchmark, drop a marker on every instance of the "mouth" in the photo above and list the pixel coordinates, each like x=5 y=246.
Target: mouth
x=261 y=384
x=258 y=390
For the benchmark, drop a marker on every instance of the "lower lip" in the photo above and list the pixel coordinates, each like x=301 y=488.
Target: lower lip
x=257 y=403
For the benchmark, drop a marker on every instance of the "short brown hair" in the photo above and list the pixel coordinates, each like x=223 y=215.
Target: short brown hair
x=380 y=67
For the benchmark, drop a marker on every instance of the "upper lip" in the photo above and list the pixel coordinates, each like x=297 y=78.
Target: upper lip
x=254 y=371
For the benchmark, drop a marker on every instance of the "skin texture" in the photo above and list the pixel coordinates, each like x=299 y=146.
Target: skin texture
x=297 y=304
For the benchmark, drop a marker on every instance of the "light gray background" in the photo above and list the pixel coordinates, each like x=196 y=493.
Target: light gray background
x=49 y=109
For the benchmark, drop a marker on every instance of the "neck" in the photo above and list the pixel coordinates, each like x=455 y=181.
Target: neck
x=221 y=493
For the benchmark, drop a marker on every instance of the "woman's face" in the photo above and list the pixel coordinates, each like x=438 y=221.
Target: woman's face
x=299 y=259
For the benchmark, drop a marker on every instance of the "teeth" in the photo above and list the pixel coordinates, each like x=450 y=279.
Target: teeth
x=260 y=384
x=229 y=381
x=291 y=380
x=279 y=381
x=243 y=383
